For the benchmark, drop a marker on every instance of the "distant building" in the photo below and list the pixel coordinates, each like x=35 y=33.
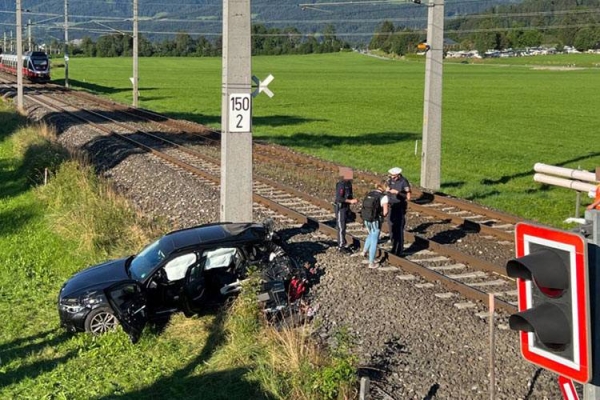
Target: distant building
x=463 y=54
x=570 y=50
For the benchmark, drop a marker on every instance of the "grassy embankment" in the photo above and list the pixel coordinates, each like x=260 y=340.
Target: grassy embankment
x=48 y=232
x=498 y=120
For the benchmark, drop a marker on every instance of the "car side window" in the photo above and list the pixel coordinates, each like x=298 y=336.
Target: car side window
x=177 y=267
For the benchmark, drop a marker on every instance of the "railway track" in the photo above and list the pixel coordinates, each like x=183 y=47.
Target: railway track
x=470 y=216
x=457 y=271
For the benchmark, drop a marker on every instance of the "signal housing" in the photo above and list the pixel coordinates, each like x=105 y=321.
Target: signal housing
x=554 y=314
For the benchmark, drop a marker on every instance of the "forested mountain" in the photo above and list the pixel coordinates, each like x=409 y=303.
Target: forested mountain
x=352 y=22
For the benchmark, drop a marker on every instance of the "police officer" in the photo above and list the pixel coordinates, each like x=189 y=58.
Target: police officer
x=343 y=199
x=399 y=195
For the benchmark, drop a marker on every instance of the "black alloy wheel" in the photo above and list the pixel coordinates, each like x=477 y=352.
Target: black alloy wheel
x=101 y=320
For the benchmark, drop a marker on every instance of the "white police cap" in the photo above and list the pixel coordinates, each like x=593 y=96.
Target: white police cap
x=395 y=171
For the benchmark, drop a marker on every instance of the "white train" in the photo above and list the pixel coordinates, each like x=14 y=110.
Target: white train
x=36 y=65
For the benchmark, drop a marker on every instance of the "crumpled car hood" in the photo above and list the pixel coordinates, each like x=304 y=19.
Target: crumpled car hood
x=96 y=277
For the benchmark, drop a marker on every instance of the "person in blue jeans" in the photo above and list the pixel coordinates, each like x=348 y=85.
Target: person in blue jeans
x=374 y=220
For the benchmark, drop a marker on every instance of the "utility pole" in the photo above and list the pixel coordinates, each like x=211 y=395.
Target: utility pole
x=29 y=47
x=135 y=53
x=4 y=45
x=20 y=101
x=66 y=43
x=432 y=113
x=236 y=114
x=12 y=45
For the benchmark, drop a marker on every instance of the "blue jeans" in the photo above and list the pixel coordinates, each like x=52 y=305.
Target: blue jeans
x=373 y=228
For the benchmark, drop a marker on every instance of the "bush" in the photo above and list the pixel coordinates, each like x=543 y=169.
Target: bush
x=42 y=156
x=286 y=362
x=83 y=207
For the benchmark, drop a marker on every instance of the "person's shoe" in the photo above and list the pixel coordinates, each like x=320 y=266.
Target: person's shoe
x=344 y=250
x=374 y=265
x=361 y=254
x=364 y=262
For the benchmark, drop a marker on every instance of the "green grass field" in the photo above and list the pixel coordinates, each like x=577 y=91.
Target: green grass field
x=498 y=119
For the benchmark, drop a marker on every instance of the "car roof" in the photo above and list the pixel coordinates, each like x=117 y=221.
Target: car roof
x=211 y=233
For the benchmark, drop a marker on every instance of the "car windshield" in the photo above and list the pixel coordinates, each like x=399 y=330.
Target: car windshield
x=150 y=257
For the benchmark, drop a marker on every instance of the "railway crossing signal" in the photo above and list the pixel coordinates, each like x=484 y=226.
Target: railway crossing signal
x=567 y=389
x=261 y=86
x=554 y=313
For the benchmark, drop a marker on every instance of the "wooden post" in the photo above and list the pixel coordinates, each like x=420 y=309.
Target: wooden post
x=364 y=388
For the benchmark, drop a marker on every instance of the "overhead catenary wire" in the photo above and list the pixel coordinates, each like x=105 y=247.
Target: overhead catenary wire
x=312 y=34
x=328 y=21
x=480 y=15
x=354 y=34
x=103 y=20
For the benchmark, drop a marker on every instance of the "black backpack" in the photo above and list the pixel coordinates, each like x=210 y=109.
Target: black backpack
x=371 y=207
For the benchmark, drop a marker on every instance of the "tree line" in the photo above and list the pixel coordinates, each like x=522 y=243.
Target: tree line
x=533 y=23
x=265 y=41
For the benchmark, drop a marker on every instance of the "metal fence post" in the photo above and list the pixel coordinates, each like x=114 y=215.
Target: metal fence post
x=591 y=391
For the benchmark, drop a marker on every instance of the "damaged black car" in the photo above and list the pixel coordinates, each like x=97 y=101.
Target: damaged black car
x=185 y=270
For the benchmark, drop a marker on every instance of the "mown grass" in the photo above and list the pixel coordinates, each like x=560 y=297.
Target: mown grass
x=49 y=232
x=498 y=120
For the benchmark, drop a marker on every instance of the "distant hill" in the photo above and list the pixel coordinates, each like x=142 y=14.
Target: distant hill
x=353 y=22
x=531 y=23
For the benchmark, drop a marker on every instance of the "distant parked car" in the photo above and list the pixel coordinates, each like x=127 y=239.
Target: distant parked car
x=185 y=270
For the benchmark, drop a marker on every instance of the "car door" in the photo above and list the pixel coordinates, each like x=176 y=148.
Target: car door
x=194 y=289
x=128 y=301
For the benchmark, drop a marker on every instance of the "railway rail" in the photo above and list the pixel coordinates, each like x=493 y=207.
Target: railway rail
x=471 y=276
x=469 y=216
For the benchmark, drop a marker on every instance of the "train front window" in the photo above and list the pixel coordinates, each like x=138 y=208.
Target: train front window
x=39 y=63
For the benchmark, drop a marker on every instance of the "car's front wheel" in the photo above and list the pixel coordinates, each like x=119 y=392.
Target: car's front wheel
x=101 y=320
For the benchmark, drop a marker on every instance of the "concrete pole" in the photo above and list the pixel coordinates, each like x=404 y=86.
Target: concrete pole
x=135 y=53
x=29 y=45
x=20 y=101
x=12 y=45
x=4 y=45
x=432 y=113
x=236 y=114
x=66 y=43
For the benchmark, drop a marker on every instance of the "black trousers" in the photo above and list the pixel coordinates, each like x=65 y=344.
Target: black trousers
x=396 y=224
x=341 y=214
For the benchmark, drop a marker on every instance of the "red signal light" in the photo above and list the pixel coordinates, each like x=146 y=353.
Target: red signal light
x=553 y=293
